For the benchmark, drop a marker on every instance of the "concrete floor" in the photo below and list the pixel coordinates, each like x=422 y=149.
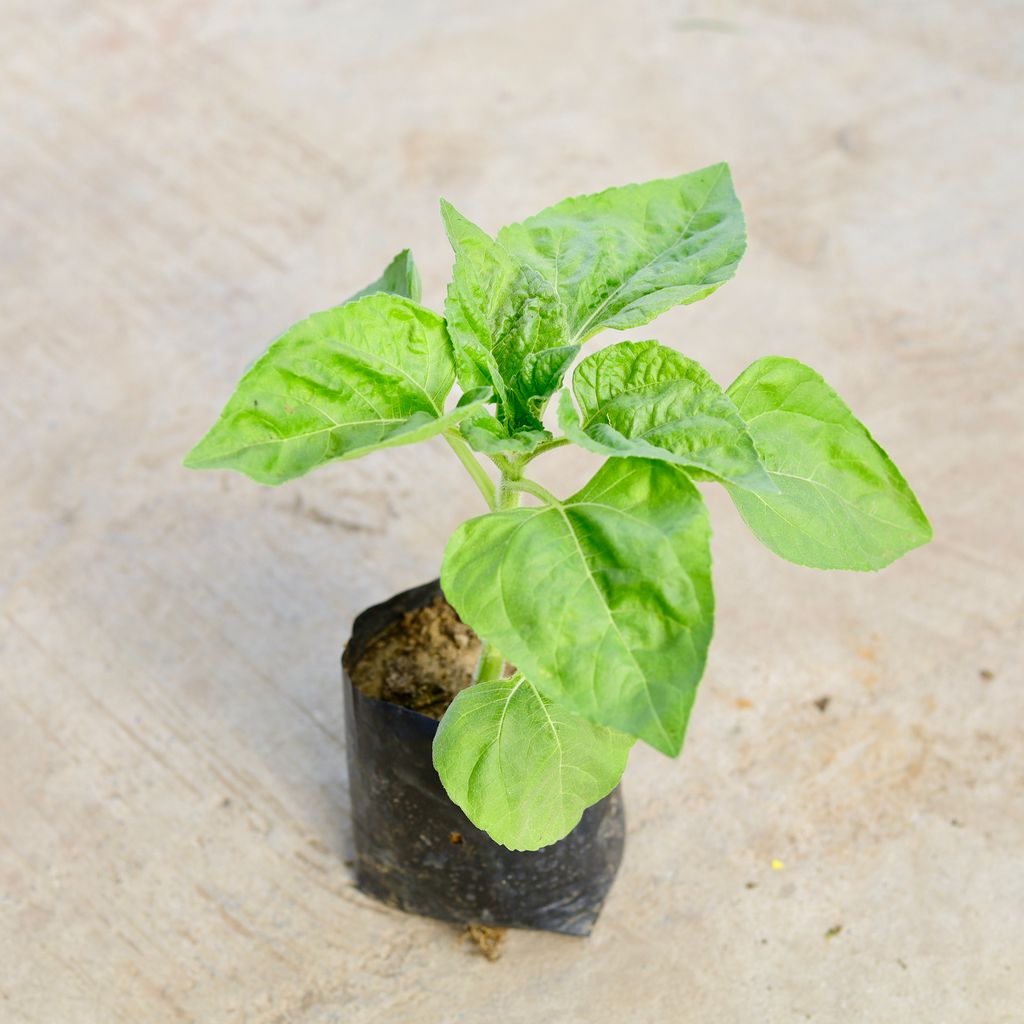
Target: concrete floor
x=180 y=181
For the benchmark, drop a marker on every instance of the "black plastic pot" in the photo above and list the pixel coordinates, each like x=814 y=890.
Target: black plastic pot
x=417 y=851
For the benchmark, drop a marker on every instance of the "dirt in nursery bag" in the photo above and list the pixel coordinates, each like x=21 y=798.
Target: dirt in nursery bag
x=421 y=661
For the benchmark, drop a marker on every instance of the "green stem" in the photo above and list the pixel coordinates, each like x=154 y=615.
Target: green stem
x=491 y=664
x=508 y=494
x=534 y=488
x=492 y=661
x=476 y=471
x=545 y=446
x=507 y=466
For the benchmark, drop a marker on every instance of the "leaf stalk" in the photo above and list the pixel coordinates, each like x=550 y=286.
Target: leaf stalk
x=483 y=482
x=534 y=488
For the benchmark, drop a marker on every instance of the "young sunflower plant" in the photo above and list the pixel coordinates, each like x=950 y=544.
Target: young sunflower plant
x=602 y=599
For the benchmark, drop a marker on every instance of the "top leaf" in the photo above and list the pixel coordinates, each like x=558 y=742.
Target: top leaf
x=621 y=257
x=841 y=504
x=367 y=374
x=400 y=277
x=506 y=324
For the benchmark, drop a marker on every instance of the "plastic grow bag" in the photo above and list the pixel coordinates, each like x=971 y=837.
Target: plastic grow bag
x=417 y=851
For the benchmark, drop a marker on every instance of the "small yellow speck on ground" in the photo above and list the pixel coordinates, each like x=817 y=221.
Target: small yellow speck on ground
x=777 y=864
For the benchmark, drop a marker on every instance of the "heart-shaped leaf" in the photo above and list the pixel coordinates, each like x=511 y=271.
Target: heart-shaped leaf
x=522 y=768
x=603 y=601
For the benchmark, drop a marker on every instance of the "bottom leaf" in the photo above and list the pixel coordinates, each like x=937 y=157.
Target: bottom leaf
x=523 y=768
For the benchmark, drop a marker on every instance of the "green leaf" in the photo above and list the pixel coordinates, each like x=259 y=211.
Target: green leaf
x=603 y=601
x=506 y=324
x=621 y=257
x=641 y=398
x=489 y=435
x=400 y=277
x=522 y=768
x=365 y=375
x=842 y=504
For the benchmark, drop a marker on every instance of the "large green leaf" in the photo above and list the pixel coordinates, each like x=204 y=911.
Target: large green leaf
x=368 y=374
x=400 y=277
x=642 y=398
x=524 y=769
x=603 y=601
x=621 y=257
x=506 y=324
x=842 y=504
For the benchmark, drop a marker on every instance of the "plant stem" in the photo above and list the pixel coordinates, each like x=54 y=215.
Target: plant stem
x=545 y=446
x=534 y=488
x=492 y=661
x=476 y=471
x=508 y=494
x=491 y=664
x=507 y=466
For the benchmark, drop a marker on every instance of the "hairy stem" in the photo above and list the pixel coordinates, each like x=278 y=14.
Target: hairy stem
x=508 y=493
x=476 y=471
x=534 y=488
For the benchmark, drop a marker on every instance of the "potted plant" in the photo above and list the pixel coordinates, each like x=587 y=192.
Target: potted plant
x=602 y=599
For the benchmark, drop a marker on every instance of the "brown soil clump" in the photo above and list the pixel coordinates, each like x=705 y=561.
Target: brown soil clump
x=487 y=939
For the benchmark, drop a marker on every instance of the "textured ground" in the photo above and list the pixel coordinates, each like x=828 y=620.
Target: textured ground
x=180 y=180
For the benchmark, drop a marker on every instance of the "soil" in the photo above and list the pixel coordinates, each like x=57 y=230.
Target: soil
x=487 y=939
x=421 y=662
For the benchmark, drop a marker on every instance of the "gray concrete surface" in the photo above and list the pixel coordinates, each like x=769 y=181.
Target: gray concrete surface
x=182 y=179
